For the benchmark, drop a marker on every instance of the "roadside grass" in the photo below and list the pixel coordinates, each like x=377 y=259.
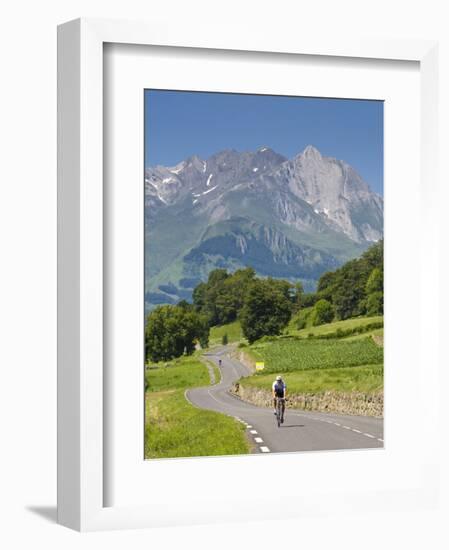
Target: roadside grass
x=174 y=427
x=233 y=330
x=366 y=379
x=184 y=372
x=287 y=355
x=217 y=373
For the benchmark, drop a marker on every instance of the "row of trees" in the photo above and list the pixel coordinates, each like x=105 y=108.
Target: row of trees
x=263 y=306
x=172 y=330
x=224 y=295
x=355 y=289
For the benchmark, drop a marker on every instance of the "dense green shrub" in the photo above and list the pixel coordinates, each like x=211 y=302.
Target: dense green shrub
x=323 y=312
x=375 y=303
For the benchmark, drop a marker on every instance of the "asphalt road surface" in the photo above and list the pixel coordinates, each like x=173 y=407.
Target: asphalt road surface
x=301 y=431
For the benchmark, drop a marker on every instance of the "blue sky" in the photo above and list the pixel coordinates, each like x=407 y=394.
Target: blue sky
x=180 y=124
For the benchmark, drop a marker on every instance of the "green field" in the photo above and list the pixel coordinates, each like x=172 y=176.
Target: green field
x=348 y=324
x=316 y=365
x=233 y=330
x=182 y=373
x=174 y=427
x=328 y=328
x=366 y=379
x=291 y=354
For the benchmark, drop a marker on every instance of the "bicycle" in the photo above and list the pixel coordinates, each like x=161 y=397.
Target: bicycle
x=280 y=410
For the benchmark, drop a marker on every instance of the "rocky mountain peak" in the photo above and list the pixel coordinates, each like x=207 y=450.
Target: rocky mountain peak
x=311 y=152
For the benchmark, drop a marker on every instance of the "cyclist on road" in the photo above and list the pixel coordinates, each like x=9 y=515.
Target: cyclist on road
x=279 y=389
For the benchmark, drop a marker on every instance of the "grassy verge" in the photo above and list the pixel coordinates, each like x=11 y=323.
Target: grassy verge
x=174 y=427
x=217 y=373
x=367 y=378
x=185 y=372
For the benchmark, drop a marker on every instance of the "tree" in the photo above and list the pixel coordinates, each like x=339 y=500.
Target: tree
x=266 y=310
x=323 y=312
x=375 y=303
x=221 y=297
x=375 y=281
x=199 y=296
x=347 y=287
x=309 y=299
x=202 y=330
x=298 y=296
x=172 y=331
x=184 y=304
x=326 y=284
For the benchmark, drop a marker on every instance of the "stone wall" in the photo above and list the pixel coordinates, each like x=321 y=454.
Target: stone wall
x=357 y=403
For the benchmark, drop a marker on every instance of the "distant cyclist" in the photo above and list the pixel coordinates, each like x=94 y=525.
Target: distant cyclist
x=279 y=391
x=219 y=362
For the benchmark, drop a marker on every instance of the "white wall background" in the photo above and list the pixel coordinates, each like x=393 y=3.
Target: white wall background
x=28 y=266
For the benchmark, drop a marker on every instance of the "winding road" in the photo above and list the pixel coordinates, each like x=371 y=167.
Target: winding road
x=301 y=431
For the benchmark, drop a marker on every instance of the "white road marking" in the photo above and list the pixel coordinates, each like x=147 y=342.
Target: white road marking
x=215 y=399
x=265 y=449
x=369 y=435
x=346 y=427
x=337 y=424
x=253 y=431
x=248 y=426
x=379 y=439
x=356 y=431
x=258 y=440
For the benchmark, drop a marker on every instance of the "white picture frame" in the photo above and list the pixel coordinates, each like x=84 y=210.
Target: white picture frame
x=82 y=401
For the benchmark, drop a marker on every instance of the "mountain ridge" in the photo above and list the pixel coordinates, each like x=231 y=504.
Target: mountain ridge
x=316 y=205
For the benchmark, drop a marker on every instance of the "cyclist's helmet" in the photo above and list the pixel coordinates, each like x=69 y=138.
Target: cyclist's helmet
x=278 y=378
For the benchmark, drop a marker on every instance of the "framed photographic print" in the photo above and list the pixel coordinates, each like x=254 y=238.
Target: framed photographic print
x=234 y=285
x=263 y=274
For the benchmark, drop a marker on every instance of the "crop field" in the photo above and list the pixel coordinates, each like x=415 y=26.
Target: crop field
x=290 y=354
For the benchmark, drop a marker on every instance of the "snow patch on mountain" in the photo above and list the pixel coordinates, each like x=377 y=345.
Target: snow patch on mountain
x=178 y=168
x=205 y=192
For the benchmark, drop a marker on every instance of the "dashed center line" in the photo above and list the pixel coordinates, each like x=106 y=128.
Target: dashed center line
x=258 y=440
x=346 y=428
x=265 y=449
x=253 y=431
